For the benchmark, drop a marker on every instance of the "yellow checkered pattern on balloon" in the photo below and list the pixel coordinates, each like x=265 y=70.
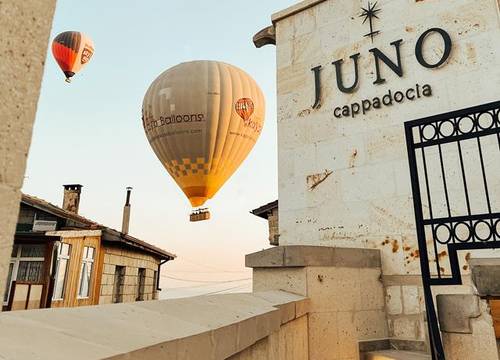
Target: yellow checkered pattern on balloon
x=187 y=167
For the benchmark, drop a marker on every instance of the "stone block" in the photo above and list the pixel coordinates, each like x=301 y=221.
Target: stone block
x=347 y=336
x=105 y=299
x=411 y=299
x=106 y=290
x=307 y=255
x=405 y=328
x=293 y=340
x=372 y=289
x=486 y=276
x=455 y=312
x=323 y=335
x=371 y=325
x=333 y=289
x=393 y=300
x=287 y=279
x=109 y=269
x=273 y=257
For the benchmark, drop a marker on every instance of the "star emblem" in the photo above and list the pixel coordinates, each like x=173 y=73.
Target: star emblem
x=369 y=13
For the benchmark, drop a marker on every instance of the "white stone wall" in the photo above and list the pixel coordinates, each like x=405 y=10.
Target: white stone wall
x=345 y=181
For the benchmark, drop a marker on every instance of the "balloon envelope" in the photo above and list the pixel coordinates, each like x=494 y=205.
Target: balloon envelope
x=72 y=50
x=202 y=118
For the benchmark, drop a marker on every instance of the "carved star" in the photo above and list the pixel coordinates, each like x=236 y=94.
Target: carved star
x=369 y=13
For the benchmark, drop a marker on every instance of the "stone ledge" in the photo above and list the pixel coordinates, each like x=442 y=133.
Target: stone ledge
x=202 y=327
x=455 y=312
x=294 y=9
x=486 y=276
x=304 y=255
x=393 y=344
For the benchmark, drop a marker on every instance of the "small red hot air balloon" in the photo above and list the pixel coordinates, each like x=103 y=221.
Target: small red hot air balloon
x=244 y=108
x=72 y=51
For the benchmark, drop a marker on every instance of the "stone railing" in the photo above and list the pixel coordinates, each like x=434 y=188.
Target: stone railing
x=261 y=325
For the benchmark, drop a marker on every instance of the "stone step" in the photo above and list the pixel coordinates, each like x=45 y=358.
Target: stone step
x=395 y=355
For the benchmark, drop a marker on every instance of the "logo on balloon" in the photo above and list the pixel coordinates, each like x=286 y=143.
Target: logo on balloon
x=244 y=108
x=86 y=54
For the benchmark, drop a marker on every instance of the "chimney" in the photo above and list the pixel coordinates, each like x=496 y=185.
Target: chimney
x=126 y=212
x=71 y=199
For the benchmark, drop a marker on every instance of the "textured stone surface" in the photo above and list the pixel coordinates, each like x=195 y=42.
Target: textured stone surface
x=486 y=276
x=205 y=327
x=299 y=256
x=393 y=300
x=455 y=312
x=395 y=355
x=365 y=200
x=479 y=344
x=346 y=304
x=25 y=28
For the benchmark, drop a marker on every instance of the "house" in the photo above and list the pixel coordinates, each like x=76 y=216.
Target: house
x=62 y=259
x=270 y=213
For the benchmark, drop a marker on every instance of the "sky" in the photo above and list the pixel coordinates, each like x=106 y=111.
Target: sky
x=90 y=132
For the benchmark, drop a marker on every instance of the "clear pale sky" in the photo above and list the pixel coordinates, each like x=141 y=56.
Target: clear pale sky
x=90 y=131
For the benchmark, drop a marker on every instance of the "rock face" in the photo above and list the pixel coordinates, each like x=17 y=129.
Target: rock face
x=25 y=28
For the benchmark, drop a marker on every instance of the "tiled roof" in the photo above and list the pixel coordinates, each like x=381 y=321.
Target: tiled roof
x=264 y=210
x=109 y=234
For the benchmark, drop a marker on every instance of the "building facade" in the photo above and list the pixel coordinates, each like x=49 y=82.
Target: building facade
x=351 y=78
x=61 y=259
x=270 y=213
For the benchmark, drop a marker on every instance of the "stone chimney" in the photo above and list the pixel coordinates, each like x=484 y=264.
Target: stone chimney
x=71 y=199
x=126 y=212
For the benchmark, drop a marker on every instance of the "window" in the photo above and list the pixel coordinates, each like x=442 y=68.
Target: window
x=7 y=285
x=140 y=286
x=63 y=255
x=26 y=265
x=86 y=271
x=155 y=282
x=30 y=271
x=118 y=284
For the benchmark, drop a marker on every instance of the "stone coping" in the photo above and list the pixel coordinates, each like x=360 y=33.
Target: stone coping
x=455 y=312
x=306 y=255
x=202 y=327
x=294 y=9
x=486 y=275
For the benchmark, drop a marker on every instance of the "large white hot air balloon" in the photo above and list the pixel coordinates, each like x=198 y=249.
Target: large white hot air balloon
x=202 y=118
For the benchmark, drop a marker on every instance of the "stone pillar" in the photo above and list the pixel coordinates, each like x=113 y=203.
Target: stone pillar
x=347 y=309
x=467 y=327
x=25 y=28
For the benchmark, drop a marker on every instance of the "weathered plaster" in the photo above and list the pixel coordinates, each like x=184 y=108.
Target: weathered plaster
x=25 y=27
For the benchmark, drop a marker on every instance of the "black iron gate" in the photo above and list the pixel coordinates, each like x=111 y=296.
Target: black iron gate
x=454 y=162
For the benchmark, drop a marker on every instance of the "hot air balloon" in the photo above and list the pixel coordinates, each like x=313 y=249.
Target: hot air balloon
x=202 y=118
x=72 y=50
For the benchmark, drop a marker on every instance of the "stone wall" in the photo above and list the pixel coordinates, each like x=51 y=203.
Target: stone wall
x=344 y=288
x=274 y=233
x=467 y=327
x=25 y=28
x=267 y=325
x=289 y=343
x=344 y=180
x=132 y=260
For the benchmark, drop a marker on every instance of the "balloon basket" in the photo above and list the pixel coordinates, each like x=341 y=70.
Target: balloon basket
x=199 y=215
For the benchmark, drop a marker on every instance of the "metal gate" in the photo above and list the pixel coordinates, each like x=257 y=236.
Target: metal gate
x=454 y=161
